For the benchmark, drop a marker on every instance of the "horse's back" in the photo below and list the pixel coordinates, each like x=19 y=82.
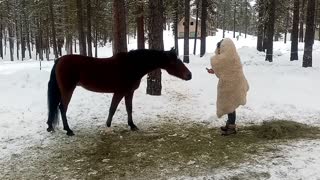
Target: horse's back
x=98 y=75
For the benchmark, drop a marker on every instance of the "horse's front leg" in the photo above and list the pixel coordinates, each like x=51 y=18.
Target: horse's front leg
x=128 y=100
x=114 y=104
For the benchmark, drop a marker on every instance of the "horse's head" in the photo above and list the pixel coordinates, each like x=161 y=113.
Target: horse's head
x=175 y=66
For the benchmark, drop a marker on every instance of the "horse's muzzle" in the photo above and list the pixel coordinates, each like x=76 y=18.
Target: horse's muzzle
x=188 y=77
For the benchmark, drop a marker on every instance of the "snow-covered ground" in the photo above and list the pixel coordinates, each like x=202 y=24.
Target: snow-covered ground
x=299 y=160
x=278 y=90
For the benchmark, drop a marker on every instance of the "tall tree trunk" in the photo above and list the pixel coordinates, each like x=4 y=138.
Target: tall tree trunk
x=316 y=17
x=32 y=38
x=140 y=25
x=265 y=29
x=217 y=19
x=295 y=32
x=127 y=26
x=68 y=29
x=270 y=30
x=39 y=36
x=1 y=36
x=22 y=40
x=319 y=21
x=47 y=41
x=5 y=39
x=276 y=35
x=82 y=38
x=309 y=36
x=246 y=19
x=204 y=15
x=224 y=20
x=11 y=41
x=260 y=26
x=89 y=34
x=155 y=42
x=196 y=30
x=96 y=42
x=96 y=31
x=40 y=39
x=186 y=31
x=240 y=17
x=234 y=18
x=17 y=37
x=53 y=29
x=175 y=26
x=27 y=29
x=75 y=45
x=287 y=25
x=302 y=15
x=119 y=27
x=28 y=40
x=69 y=44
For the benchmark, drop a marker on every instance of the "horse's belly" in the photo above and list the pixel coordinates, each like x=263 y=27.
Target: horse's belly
x=96 y=88
x=107 y=87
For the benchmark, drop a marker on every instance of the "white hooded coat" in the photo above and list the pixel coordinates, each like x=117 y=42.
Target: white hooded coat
x=232 y=85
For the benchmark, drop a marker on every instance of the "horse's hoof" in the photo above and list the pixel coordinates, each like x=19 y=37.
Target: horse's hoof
x=134 y=128
x=70 y=133
x=108 y=124
x=50 y=129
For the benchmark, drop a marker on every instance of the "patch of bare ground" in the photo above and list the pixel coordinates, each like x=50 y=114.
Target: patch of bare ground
x=153 y=153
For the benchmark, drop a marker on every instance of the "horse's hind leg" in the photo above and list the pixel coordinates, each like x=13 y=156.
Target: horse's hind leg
x=66 y=97
x=128 y=100
x=114 y=104
x=64 y=120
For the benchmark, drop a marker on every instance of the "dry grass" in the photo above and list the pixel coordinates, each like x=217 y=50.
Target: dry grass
x=154 y=153
x=282 y=129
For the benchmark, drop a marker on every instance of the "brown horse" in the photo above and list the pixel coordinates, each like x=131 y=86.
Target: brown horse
x=120 y=74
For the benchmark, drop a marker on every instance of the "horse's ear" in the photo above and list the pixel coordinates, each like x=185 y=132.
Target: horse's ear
x=173 y=50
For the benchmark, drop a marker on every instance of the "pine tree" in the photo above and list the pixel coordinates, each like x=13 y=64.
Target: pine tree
x=196 y=30
x=186 y=31
x=156 y=10
x=175 y=26
x=302 y=15
x=1 y=34
x=295 y=31
x=203 y=27
x=309 y=36
x=260 y=28
x=234 y=18
x=140 y=25
x=82 y=40
x=119 y=27
x=53 y=29
x=270 y=29
x=89 y=31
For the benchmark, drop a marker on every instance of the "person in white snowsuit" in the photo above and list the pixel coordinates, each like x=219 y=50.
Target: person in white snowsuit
x=232 y=85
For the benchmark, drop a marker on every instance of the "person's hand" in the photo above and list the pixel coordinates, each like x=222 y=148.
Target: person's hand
x=210 y=71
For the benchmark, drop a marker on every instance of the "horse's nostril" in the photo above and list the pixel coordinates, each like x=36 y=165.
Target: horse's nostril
x=189 y=76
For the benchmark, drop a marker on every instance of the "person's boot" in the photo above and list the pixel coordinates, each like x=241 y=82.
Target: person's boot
x=228 y=129
x=224 y=128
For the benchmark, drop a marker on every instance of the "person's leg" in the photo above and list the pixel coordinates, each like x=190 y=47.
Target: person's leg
x=230 y=127
x=232 y=118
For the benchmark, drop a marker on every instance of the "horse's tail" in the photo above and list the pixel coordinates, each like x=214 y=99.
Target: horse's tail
x=54 y=98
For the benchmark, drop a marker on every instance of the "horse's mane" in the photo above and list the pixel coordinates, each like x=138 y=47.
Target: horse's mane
x=146 y=53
